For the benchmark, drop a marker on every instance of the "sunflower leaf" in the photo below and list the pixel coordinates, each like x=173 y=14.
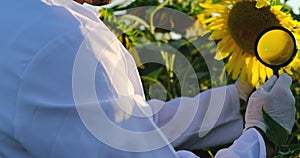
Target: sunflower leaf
x=275 y=132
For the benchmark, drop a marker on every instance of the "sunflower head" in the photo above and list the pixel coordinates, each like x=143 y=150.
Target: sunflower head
x=236 y=24
x=246 y=22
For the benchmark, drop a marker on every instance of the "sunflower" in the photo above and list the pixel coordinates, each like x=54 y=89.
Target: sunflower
x=235 y=24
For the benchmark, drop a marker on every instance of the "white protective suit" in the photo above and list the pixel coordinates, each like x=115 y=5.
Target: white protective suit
x=70 y=90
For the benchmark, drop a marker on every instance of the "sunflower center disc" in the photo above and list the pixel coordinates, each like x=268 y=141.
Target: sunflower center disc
x=245 y=22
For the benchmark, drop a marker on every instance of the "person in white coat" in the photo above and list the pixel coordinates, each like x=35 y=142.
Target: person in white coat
x=70 y=89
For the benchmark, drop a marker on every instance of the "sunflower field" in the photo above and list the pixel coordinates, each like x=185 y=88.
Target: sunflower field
x=206 y=33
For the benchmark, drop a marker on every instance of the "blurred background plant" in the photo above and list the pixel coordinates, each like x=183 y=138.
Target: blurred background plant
x=145 y=31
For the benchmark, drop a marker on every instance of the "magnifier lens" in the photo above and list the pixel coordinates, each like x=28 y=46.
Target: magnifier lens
x=276 y=47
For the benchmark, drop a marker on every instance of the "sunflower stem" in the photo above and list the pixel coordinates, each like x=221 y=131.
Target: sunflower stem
x=152 y=28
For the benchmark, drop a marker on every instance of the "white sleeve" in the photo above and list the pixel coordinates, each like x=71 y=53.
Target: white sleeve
x=211 y=115
x=51 y=122
x=249 y=145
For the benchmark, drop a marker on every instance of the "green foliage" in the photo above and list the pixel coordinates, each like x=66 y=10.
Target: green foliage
x=274 y=2
x=140 y=27
x=275 y=132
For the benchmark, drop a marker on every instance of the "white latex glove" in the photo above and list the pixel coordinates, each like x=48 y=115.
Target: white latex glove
x=276 y=98
x=244 y=89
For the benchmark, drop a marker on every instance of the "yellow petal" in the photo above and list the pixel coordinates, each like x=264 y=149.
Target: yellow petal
x=262 y=72
x=250 y=69
x=224 y=41
x=280 y=71
x=230 y=64
x=221 y=55
x=219 y=34
x=227 y=1
x=219 y=22
x=262 y=3
x=214 y=26
x=209 y=20
x=288 y=70
x=243 y=74
x=213 y=6
x=237 y=67
x=227 y=49
x=255 y=71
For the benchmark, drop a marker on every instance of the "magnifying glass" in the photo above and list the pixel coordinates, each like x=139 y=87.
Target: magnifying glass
x=275 y=47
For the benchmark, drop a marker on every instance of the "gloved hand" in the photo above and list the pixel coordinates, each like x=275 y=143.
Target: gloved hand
x=244 y=89
x=276 y=98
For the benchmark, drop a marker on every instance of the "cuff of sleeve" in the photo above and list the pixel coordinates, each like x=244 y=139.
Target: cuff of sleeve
x=250 y=144
x=261 y=142
x=255 y=123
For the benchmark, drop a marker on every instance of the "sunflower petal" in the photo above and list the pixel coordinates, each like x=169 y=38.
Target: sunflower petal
x=237 y=67
x=262 y=72
x=213 y=6
x=228 y=1
x=219 y=21
x=243 y=74
x=209 y=20
x=227 y=49
x=231 y=64
x=224 y=41
x=288 y=70
x=262 y=3
x=255 y=71
x=218 y=34
x=214 y=26
x=250 y=69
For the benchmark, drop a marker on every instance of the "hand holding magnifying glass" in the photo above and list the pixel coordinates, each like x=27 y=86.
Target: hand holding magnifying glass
x=275 y=47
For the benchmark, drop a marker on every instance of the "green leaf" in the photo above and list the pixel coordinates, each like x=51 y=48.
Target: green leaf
x=202 y=74
x=216 y=1
x=274 y=2
x=155 y=73
x=286 y=9
x=177 y=44
x=275 y=132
